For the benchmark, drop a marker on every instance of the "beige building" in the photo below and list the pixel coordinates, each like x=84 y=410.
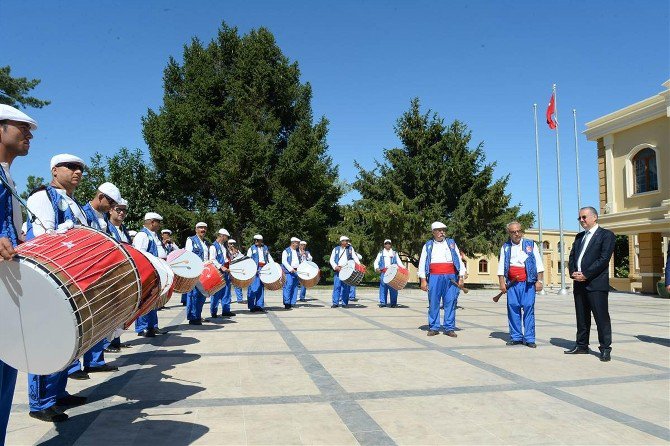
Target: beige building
x=483 y=270
x=634 y=177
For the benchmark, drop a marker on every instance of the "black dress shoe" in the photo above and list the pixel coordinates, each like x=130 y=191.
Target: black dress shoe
x=451 y=334
x=287 y=306
x=531 y=344
x=195 y=322
x=71 y=401
x=334 y=306
x=382 y=305
x=111 y=349
x=228 y=314
x=79 y=375
x=605 y=356
x=49 y=415
x=126 y=346
x=147 y=333
x=513 y=342
x=433 y=333
x=393 y=305
x=354 y=299
x=101 y=368
x=158 y=331
x=577 y=351
x=214 y=316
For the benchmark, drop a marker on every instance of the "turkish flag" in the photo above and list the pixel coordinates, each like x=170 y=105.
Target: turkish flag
x=551 y=109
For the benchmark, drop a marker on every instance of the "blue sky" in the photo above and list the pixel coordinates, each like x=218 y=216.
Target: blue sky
x=482 y=62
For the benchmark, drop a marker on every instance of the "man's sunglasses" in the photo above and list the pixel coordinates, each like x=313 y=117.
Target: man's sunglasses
x=71 y=166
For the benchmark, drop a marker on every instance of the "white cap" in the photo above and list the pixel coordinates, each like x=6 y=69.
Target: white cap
x=388 y=240
x=294 y=239
x=224 y=232
x=438 y=225
x=258 y=237
x=66 y=158
x=201 y=224
x=122 y=202
x=166 y=231
x=111 y=191
x=231 y=241
x=302 y=242
x=343 y=238
x=14 y=114
x=132 y=233
x=152 y=216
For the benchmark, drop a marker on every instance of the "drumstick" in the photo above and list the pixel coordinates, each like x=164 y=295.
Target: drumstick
x=462 y=288
x=496 y=298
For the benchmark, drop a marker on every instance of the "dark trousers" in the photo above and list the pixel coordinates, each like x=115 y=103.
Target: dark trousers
x=587 y=302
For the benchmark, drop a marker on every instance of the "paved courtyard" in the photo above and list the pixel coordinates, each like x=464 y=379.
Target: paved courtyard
x=368 y=375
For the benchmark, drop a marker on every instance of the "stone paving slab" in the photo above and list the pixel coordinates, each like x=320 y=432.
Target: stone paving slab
x=371 y=376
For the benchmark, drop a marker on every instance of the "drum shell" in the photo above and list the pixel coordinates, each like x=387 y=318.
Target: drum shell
x=187 y=268
x=356 y=273
x=237 y=279
x=150 y=280
x=312 y=281
x=274 y=285
x=211 y=280
x=396 y=277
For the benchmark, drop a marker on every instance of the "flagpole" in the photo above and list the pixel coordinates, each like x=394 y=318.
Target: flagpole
x=563 y=290
x=579 y=192
x=539 y=197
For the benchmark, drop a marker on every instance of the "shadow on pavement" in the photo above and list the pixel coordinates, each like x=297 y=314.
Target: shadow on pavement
x=665 y=342
x=502 y=335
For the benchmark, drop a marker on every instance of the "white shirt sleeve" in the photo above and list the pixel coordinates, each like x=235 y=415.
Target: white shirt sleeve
x=212 y=256
x=141 y=241
x=284 y=260
x=421 y=272
x=501 y=262
x=538 y=259
x=379 y=254
x=397 y=259
x=353 y=254
x=464 y=269
x=188 y=245
x=40 y=205
x=249 y=252
x=309 y=257
x=269 y=259
x=332 y=259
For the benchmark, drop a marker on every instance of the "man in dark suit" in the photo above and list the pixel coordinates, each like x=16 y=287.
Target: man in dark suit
x=589 y=268
x=667 y=270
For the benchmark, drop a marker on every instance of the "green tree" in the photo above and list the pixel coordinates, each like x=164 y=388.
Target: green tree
x=235 y=144
x=14 y=90
x=32 y=183
x=435 y=175
x=621 y=256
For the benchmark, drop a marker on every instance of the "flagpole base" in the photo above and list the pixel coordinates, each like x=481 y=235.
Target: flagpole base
x=563 y=291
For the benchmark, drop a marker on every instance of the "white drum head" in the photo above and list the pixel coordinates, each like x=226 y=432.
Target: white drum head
x=162 y=269
x=185 y=264
x=347 y=270
x=308 y=270
x=38 y=327
x=270 y=273
x=390 y=273
x=245 y=269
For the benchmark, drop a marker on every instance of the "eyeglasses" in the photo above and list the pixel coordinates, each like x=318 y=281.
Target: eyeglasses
x=518 y=231
x=111 y=202
x=582 y=217
x=71 y=166
x=121 y=210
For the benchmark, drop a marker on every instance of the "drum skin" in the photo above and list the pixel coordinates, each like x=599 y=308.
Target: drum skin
x=309 y=274
x=187 y=268
x=243 y=272
x=352 y=273
x=396 y=277
x=273 y=277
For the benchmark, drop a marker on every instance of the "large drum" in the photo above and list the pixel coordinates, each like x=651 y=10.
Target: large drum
x=396 y=277
x=150 y=279
x=62 y=294
x=352 y=273
x=242 y=271
x=308 y=274
x=187 y=268
x=211 y=279
x=272 y=276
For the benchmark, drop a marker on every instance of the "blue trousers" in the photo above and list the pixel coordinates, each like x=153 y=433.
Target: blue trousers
x=341 y=291
x=302 y=293
x=256 y=294
x=222 y=296
x=385 y=290
x=352 y=292
x=184 y=298
x=521 y=296
x=95 y=356
x=194 y=303
x=7 y=384
x=43 y=390
x=290 y=290
x=116 y=342
x=238 y=294
x=146 y=322
x=442 y=291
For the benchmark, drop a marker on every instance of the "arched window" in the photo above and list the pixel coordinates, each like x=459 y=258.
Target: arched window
x=483 y=266
x=545 y=245
x=644 y=165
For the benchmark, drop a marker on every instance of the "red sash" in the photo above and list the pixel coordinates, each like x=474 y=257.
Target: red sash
x=517 y=273
x=442 y=268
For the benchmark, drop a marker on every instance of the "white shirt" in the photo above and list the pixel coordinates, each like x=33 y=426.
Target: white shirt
x=440 y=254
x=101 y=219
x=295 y=261
x=122 y=234
x=141 y=242
x=388 y=254
x=17 y=216
x=236 y=256
x=343 y=257
x=40 y=205
x=261 y=256
x=189 y=247
x=518 y=258
x=212 y=255
x=306 y=256
x=585 y=243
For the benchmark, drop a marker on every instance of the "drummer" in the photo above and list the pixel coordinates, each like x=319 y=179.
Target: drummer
x=339 y=257
x=147 y=240
x=235 y=254
x=386 y=257
x=256 y=291
x=305 y=256
x=439 y=267
x=54 y=207
x=218 y=253
x=290 y=260
x=195 y=300
x=15 y=134
x=168 y=244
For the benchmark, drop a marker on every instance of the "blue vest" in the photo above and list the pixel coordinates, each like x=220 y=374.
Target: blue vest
x=254 y=253
x=198 y=248
x=219 y=252
x=289 y=258
x=7 y=228
x=60 y=215
x=531 y=266
x=454 y=257
x=114 y=233
x=305 y=257
x=382 y=262
x=91 y=218
x=350 y=255
x=152 y=248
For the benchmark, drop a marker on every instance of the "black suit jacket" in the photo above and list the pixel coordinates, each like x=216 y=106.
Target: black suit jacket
x=667 y=268
x=595 y=263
